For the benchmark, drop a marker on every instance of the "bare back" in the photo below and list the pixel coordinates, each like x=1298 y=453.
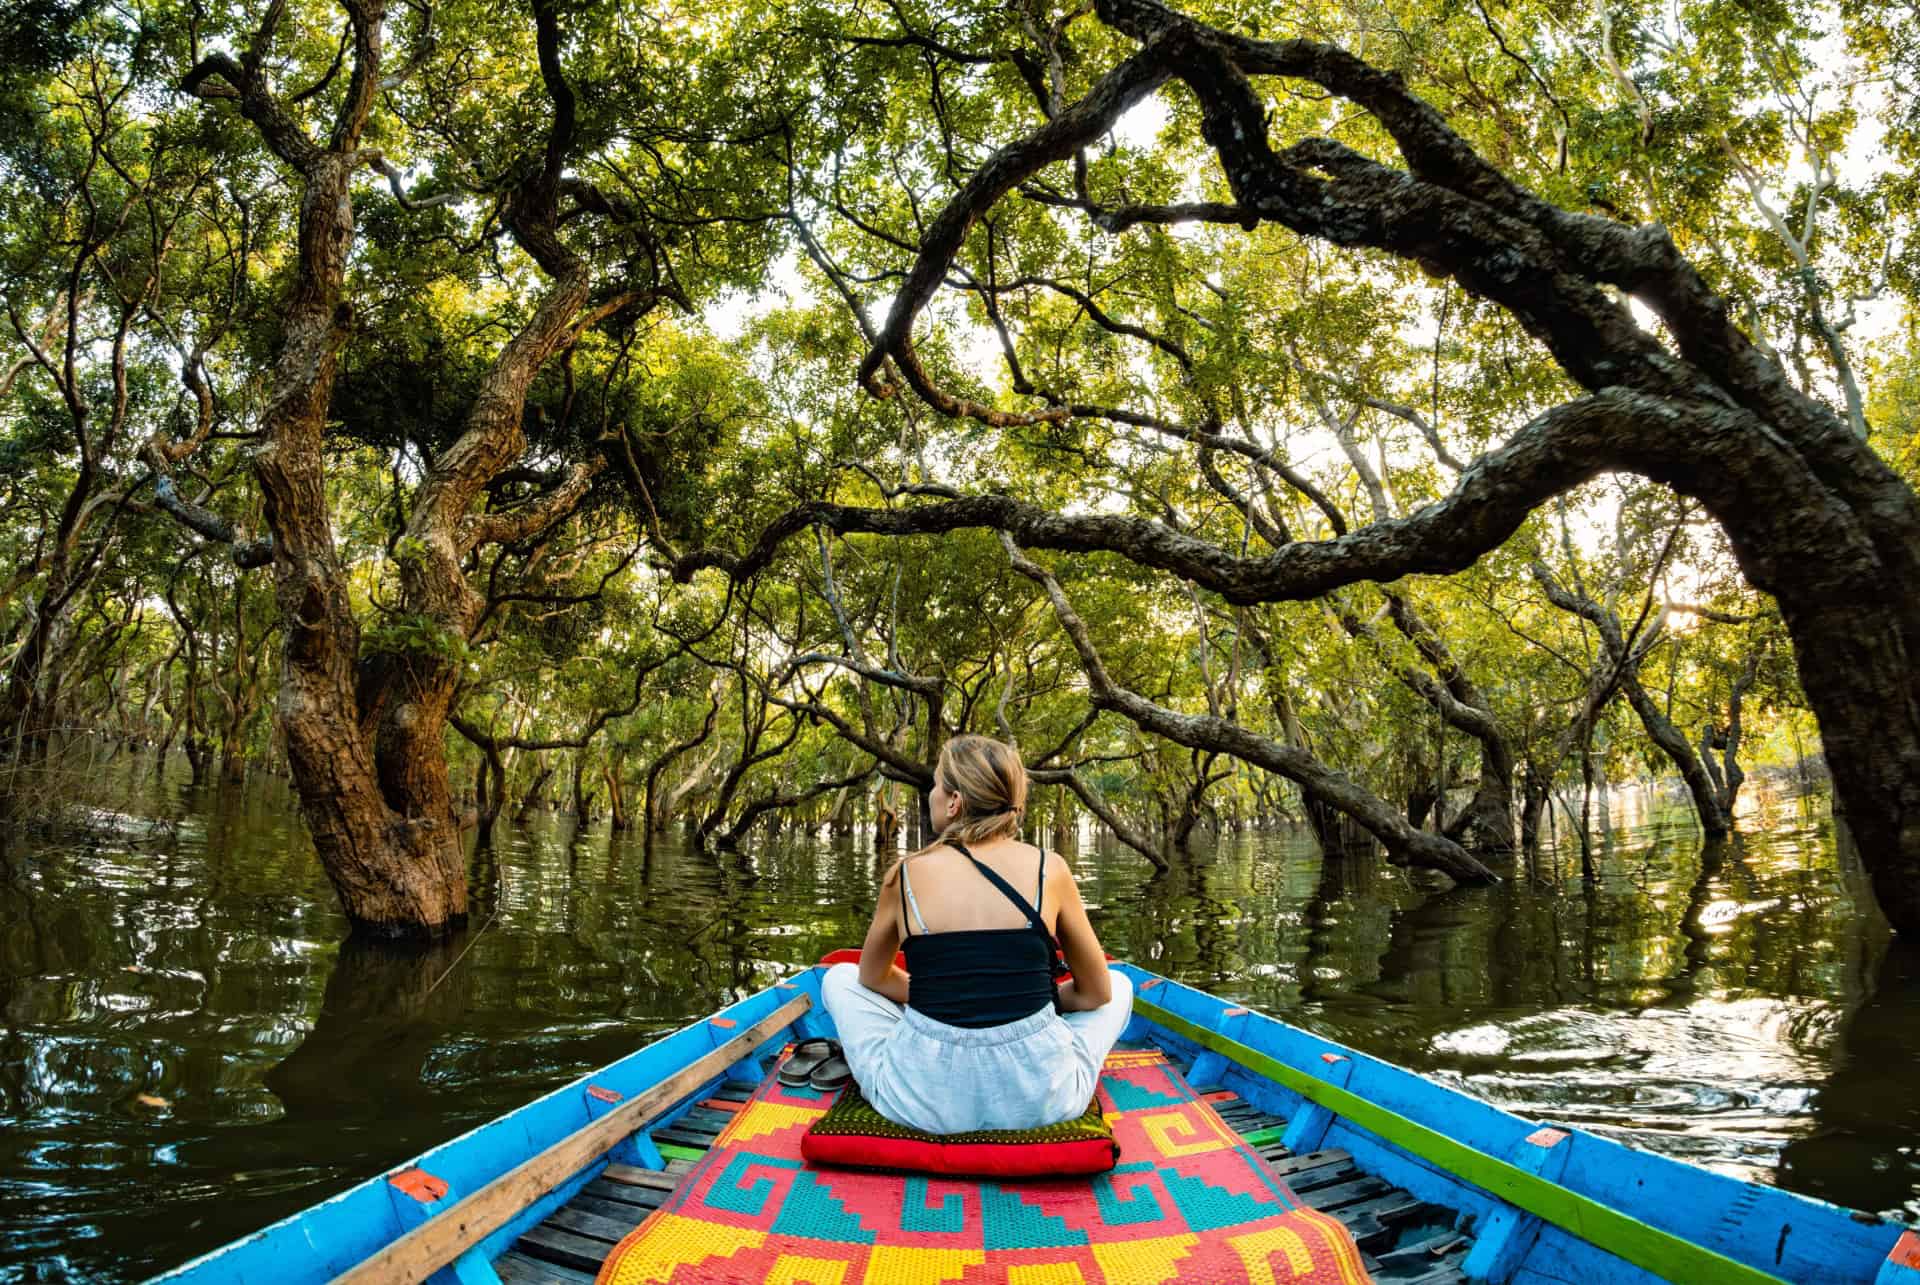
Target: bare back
x=952 y=896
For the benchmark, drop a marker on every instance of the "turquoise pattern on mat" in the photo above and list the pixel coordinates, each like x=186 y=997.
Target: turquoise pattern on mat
x=812 y=1210
x=949 y=1216
x=1011 y=1223
x=1135 y=1097
x=1141 y=1206
x=1205 y=1206
x=745 y=1198
x=1168 y=1208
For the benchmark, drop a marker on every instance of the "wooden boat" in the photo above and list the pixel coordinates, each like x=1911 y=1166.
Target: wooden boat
x=1434 y=1185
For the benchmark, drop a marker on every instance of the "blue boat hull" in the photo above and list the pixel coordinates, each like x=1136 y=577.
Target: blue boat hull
x=1605 y=1190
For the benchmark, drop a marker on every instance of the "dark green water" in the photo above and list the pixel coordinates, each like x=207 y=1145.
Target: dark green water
x=187 y=1052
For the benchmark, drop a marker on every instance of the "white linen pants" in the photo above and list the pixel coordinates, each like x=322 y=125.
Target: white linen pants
x=928 y=1075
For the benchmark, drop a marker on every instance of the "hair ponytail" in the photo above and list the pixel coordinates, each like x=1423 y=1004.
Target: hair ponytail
x=991 y=783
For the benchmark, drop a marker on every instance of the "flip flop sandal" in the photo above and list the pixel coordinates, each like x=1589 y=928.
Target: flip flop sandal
x=806 y=1055
x=831 y=1074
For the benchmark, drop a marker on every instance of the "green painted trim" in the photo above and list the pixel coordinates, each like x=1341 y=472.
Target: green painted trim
x=1261 y=1137
x=673 y=1151
x=1659 y=1252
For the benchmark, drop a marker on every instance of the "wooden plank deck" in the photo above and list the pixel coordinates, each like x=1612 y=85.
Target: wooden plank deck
x=1403 y=1240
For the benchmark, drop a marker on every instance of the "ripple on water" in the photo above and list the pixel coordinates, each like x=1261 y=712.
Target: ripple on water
x=1721 y=1082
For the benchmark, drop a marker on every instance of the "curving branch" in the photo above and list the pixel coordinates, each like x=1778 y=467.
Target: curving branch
x=536 y=515
x=779 y=800
x=1062 y=136
x=1209 y=732
x=1096 y=803
x=1622 y=657
x=1708 y=451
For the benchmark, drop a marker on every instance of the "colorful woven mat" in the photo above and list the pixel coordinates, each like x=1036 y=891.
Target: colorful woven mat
x=1188 y=1201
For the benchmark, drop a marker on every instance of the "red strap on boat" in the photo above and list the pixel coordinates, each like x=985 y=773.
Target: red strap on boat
x=419 y=1184
x=1906 y=1251
x=1547 y=1137
x=604 y=1094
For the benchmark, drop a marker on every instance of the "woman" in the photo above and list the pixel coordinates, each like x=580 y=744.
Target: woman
x=975 y=1034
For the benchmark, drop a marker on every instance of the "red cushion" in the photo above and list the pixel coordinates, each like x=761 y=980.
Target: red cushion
x=852 y=1134
x=989 y=1159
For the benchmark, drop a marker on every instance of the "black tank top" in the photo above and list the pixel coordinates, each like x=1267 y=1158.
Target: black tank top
x=982 y=976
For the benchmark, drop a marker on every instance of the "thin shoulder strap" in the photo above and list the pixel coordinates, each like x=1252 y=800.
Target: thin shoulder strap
x=906 y=900
x=1006 y=889
x=1040 y=888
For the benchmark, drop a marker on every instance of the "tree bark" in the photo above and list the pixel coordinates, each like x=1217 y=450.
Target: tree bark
x=398 y=869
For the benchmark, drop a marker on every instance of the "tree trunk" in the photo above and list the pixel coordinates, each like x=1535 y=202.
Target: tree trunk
x=1715 y=819
x=490 y=785
x=535 y=795
x=886 y=822
x=616 y=797
x=394 y=860
x=26 y=711
x=582 y=798
x=1534 y=791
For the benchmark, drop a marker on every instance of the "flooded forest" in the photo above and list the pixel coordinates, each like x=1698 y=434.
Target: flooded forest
x=501 y=508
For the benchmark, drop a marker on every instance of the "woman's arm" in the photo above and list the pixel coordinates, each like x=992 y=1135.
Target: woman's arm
x=1090 y=987
x=878 y=972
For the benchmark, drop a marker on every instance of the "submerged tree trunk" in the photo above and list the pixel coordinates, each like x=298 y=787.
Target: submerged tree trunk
x=535 y=795
x=616 y=794
x=397 y=869
x=366 y=734
x=1534 y=797
x=490 y=790
x=582 y=797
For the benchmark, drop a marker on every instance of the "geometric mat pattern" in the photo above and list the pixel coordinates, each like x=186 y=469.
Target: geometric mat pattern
x=1188 y=1200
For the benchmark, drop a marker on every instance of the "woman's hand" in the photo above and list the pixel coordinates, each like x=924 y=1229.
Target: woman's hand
x=1074 y=1000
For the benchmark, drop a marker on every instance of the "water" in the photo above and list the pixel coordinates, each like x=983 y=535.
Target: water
x=190 y=1053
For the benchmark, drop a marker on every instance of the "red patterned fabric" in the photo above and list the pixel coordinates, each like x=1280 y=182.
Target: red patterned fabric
x=852 y=1134
x=1189 y=1201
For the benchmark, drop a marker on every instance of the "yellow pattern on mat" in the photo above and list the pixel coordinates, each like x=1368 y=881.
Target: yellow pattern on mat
x=761 y=1118
x=910 y=1265
x=1340 y=1241
x=798 y=1269
x=1123 y=1059
x=673 y=1241
x=1045 y=1274
x=1175 y=1133
x=1146 y=1262
x=1256 y=1250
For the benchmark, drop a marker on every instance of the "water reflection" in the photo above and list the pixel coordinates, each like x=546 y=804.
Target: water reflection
x=187 y=1052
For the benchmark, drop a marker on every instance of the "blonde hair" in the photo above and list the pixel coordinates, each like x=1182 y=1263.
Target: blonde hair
x=991 y=783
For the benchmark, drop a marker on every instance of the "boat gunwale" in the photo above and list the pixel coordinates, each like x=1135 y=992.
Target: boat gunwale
x=366 y=1216
x=1867 y=1239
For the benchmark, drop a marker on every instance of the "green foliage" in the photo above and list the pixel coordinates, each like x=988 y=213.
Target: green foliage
x=719 y=129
